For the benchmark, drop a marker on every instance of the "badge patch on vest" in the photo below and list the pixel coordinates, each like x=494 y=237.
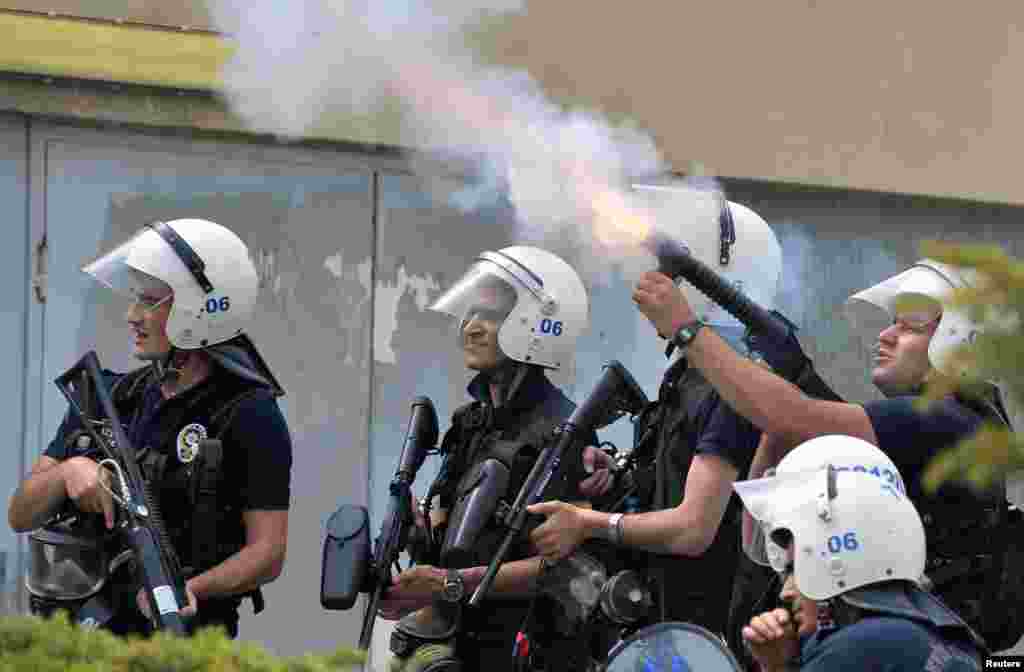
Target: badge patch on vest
x=188 y=441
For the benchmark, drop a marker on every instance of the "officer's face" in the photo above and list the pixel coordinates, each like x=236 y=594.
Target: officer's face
x=901 y=355
x=480 y=349
x=147 y=317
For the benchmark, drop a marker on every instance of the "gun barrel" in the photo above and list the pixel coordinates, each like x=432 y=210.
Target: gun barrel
x=163 y=597
x=420 y=437
x=675 y=261
x=369 y=618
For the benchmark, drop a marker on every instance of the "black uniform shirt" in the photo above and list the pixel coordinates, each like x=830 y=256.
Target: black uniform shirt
x=256 y=467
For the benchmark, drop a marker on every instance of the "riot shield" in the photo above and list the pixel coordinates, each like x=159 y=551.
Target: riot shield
x=672 y=647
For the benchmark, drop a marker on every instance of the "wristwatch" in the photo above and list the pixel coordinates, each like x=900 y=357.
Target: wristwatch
x=454 y=587
x=687 y=333
x=615 y=532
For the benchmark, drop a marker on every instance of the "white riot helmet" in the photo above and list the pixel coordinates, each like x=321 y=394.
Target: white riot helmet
x=847 y=529
x=728 y=237
x=842 y=453
x=537 y=297
x=929 y=280
x=207 y=267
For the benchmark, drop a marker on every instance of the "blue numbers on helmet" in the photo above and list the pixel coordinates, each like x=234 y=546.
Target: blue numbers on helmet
x=553 y=327
x=221 y=305
x=846 y=542
x=890 y=477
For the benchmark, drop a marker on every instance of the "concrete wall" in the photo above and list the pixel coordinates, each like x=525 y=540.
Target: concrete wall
x=351 y=248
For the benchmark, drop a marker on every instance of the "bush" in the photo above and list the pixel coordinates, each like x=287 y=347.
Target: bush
x=55 y=645
x=997 y=303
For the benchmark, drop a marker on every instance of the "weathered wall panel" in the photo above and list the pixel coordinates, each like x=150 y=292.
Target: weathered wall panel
x=15 y=267
x=307 y=219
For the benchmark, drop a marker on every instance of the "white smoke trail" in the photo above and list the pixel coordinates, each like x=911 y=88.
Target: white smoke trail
x=301 y=63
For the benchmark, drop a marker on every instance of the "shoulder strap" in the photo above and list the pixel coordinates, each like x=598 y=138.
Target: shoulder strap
x=205 y=481
x=127 y=386
x=691 y=390
x=464 y=419
x=222 y=418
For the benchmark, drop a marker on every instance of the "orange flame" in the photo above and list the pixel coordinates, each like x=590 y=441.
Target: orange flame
x=616 y=224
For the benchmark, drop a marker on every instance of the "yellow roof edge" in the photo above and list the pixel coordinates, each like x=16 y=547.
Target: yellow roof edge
x=129 y=53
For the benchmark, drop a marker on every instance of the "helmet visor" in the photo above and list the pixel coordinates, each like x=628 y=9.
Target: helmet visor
x=64 y=567
x=485 y=291
x=772 y=501
x=117 y=270
x=919 y=288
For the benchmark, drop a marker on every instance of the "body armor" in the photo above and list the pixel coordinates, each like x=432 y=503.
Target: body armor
x=488 y=452
x=213 y=531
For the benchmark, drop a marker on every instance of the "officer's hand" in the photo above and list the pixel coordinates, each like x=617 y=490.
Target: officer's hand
x=662 y=303
x=772 y=639
x=411 y=590
x=597 y=463
x=86 y=483
x=192 y=608
x=561 y=533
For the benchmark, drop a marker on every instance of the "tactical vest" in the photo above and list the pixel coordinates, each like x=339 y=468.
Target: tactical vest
x=686 y=589
x=514 y=437
x=214 y=531
x=975 y=559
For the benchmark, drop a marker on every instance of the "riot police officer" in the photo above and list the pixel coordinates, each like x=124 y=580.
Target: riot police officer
x=193 y=289
x=520 y=311
x=851 y=548
x=681 y=529
x=973 y=547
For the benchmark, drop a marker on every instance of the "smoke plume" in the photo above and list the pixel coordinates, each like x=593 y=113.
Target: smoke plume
x=566 y=172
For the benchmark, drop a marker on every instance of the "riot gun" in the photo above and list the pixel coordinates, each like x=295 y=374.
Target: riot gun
x=139 y=521
x=768 y=332
x=348 y=568
x=615 y=394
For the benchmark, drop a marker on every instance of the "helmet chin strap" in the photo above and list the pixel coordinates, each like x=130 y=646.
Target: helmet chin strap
x=168 y=368
x=825 y=614
x=505 y=379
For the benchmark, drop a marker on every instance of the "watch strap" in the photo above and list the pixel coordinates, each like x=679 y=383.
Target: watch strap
x=615 y=529
x=686 y=333
x=453 y=578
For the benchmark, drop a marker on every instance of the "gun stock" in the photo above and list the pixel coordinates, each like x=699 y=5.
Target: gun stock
x=615 y=393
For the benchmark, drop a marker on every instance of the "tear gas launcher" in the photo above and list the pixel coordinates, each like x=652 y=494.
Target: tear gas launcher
x=139 y=522
x=615 y=394
x=769 y=333
x=349 y=567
